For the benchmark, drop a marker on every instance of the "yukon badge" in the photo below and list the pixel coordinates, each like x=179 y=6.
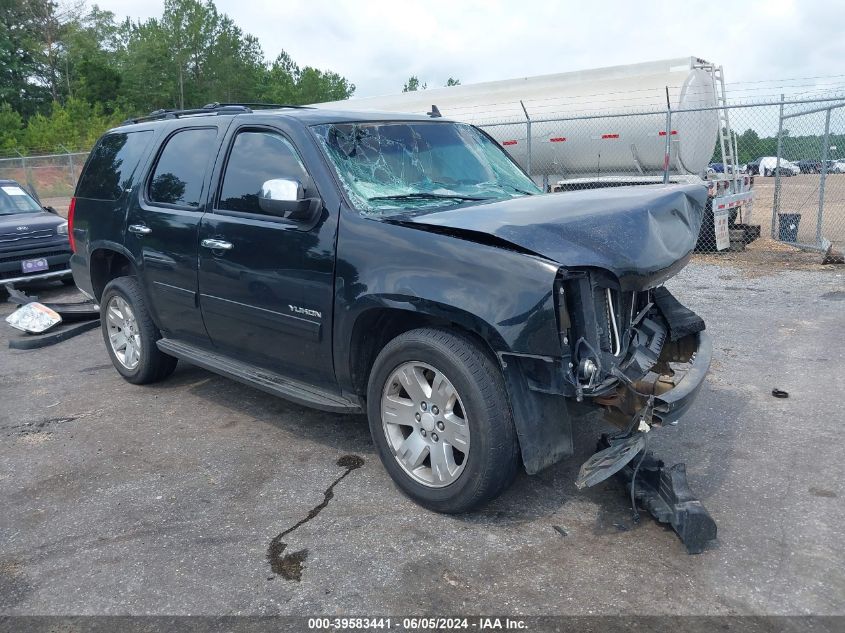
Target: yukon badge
x=305 y=311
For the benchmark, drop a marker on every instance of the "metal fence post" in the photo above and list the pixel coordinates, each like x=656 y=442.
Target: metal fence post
x=69 y=163
x=528 y=136
x=823 y=176
x=668 y=145
x=776 y=201
x=27 y=171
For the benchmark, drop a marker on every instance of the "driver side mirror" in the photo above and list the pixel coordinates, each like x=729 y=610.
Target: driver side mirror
x=285 y=198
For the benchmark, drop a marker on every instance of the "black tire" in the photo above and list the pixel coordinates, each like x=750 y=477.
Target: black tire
x=153 y=365
x=68 y=281
x=493 y=456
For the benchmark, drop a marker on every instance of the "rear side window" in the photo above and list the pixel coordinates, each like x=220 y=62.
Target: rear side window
x=180 y=171
x=257 y=157
x=111 y=164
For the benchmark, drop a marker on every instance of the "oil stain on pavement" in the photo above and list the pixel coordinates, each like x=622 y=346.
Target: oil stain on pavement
x=289 y=566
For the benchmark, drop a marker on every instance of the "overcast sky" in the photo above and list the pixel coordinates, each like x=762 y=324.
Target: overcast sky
x=378 y=44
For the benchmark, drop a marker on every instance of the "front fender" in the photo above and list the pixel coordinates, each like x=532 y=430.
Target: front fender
x=503 y=296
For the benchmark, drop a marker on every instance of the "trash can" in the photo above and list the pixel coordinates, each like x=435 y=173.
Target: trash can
x=788 y=226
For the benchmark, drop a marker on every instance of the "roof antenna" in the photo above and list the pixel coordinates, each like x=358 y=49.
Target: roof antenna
x=435 y=113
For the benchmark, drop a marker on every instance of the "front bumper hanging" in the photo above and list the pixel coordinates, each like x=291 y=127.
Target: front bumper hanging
x=665 y=493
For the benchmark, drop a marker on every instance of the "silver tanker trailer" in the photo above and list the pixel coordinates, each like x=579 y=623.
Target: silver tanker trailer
x=606 y=127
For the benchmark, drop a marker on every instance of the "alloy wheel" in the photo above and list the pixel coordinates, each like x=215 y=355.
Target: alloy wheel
x=425 y=424
x=124 y=336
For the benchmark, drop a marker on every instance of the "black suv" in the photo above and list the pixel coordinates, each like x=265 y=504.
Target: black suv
x=397 y=265
x=33 y=239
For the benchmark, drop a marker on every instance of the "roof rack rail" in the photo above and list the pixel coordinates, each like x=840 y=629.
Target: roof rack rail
x=274 y=106
x=208 y=109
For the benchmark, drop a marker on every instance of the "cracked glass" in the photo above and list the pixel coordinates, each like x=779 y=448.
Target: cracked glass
x=388 y=168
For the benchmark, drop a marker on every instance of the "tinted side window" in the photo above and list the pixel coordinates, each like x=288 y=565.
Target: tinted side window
x=109 y=169
x=257 y=157
x=180 y=170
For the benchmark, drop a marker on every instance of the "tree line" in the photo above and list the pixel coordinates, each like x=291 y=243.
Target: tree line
x=751 y=146
x=70 y=71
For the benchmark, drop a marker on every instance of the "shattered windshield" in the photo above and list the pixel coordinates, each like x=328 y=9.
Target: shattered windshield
x=419 y=166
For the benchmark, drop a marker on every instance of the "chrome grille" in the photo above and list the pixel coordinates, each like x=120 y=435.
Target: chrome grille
x=26 y=235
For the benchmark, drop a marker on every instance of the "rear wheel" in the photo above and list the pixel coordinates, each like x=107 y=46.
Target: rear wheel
x=440 y=420
x=131 y=335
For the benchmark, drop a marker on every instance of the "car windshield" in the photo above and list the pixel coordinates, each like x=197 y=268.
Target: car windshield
x=14 y=200
x=400 y=167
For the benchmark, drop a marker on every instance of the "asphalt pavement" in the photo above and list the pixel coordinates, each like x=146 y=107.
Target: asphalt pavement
x=179 y=498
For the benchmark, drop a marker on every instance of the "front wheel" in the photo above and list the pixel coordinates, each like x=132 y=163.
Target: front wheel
x=441 y=421
x=131 y=335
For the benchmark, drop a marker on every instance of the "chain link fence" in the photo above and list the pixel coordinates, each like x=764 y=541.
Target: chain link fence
x=809 y=206
x=765 y=178
x=789 y=184
x=52 y=177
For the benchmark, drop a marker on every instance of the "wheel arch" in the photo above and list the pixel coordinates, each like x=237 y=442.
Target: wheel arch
x=543 y=422
x=384 y=320
x=106 y=263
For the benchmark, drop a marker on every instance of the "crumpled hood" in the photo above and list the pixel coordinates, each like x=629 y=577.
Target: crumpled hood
x=641 y=234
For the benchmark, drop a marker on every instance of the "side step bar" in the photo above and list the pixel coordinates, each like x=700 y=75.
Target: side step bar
x=263 y=379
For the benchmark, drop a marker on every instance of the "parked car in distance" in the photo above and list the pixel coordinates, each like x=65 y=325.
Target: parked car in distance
x=836 y=166
x=768 y=166
x=809 y=166
x=33 y=239
x=719 y=168
x=400 y=266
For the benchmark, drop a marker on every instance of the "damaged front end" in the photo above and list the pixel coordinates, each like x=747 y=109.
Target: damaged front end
x=640 y=355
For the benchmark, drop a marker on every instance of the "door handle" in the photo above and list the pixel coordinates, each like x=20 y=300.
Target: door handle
x=140 y=229
x=218 y=245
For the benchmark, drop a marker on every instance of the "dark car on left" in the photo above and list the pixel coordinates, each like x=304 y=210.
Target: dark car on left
x=34 y=242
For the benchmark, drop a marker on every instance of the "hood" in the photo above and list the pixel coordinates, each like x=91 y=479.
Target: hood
x=20 y=225
x=641 y=234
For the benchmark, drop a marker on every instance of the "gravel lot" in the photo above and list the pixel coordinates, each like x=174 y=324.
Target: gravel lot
x=120 y=499
x=800 y=194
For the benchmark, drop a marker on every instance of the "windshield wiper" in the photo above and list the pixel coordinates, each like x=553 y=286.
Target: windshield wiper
x=427 y=196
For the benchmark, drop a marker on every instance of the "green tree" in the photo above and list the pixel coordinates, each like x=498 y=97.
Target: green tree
x=286 y=83
x=149 y=77
x=413 y=84
x=67 y=73
x=93 y=44
x=453 y=82
x=20 y=57
x=11 y=127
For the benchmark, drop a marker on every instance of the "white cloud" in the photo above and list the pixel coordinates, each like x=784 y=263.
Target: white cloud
x=377 y=44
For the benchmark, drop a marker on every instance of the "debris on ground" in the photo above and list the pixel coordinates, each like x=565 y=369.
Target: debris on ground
x=664 y=492
x=36 y=318
x=33 y=318
x=833 y=256
x=780 y=393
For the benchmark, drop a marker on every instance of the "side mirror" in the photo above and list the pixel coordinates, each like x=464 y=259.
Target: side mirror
x=286 y=198
x=51 y=210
